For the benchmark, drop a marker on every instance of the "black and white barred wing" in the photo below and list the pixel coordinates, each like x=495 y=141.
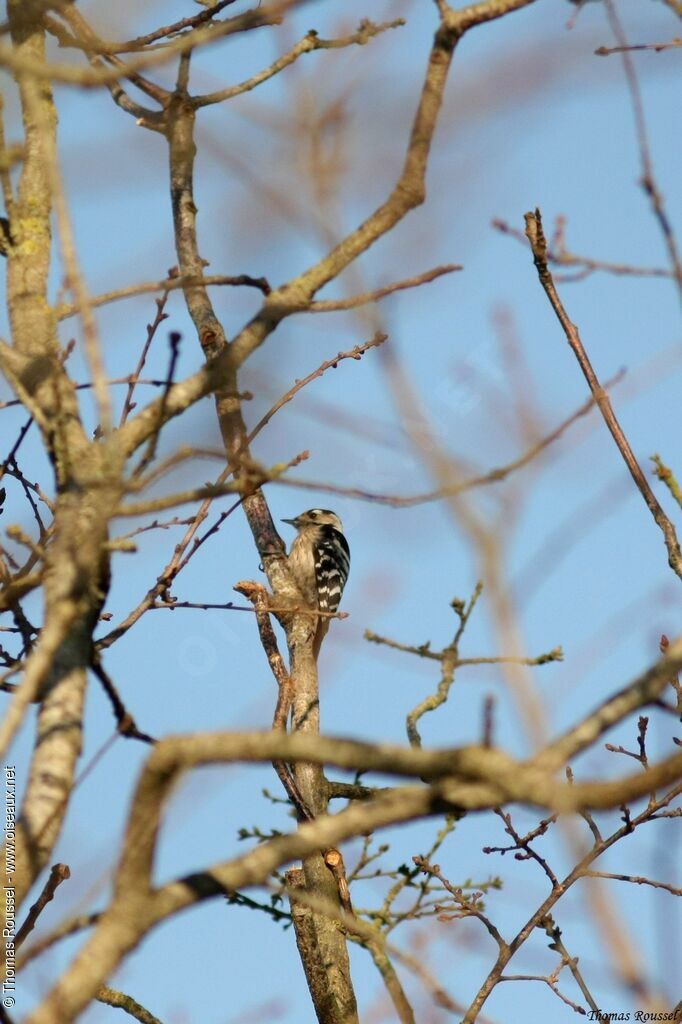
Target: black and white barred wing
x=332 y=563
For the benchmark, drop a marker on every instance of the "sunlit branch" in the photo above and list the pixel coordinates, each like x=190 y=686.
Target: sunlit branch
x=559 y=256
x=310 y=42
x=538 y=245
x=157 y=55
x=354 y=353
x=334 y=305
x=254 y=478
x=168 y=284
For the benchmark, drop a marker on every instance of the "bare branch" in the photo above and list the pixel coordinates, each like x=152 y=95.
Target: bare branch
x=644 y=690
x=144 y=41
x=493 y=476
x=540 y=915
x=58 y=874
x=259 y=597
x=648 y=181
x=558 y=255
x=310 y=42
x=424 y=651
x=606 y=51
x=255 y=478
x=408 y=193
x=354 y=353
x=168 y=284
x=538 y=244
x=112 y=997
x=157 y=54
x=334 y=305
x=635 y=880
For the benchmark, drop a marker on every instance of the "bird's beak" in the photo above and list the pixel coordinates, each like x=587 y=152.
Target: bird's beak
x=292 y=522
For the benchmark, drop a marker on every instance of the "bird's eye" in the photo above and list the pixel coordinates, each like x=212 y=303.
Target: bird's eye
x=313 y=514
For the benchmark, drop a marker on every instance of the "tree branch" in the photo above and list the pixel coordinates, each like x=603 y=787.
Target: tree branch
x=538 y=244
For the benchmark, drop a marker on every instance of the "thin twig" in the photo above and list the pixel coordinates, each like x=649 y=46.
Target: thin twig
x=635 y=880
x=466 y=907
x=536 y=919
x=334 y=305
x=424 y=651
x=124 y=720
x=449 y=658
x=58 y=874
x=558 y=255
x=174 y=339
x=259 y=477
x=522 y=844
x=63 y=931
x=606 y=51
x=648 y=180
x=355 y=353
x=154 y=55
x=168 y=284
x=257 y=594
x=175 y=565
x=161 y=315
x=538 y=244
x=310 y=42
x=11 y=457
x=143 y=42
x=493 y=476
x=229 y=606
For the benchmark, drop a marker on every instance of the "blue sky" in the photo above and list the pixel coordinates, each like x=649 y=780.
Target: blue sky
x=531 y=118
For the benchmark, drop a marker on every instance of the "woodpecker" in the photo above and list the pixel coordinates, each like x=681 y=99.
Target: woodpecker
x=319 y=561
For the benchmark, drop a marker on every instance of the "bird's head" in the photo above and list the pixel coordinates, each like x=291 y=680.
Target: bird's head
x=316 y=517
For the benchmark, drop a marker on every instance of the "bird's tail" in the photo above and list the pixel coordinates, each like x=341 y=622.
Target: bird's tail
x=320 y=634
